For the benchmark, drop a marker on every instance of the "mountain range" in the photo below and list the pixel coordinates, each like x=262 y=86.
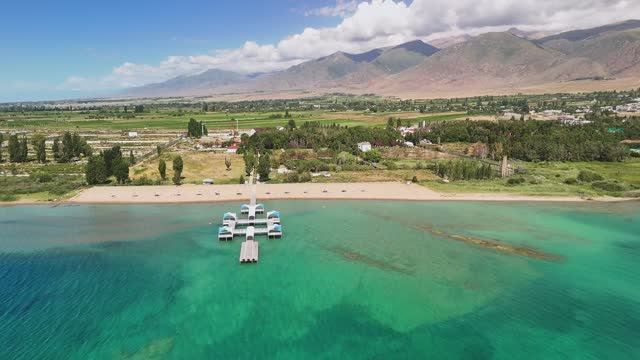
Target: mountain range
x=492 y=63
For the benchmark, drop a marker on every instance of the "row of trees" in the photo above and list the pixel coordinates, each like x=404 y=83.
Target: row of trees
x=17 y=148
x=262 y=165
x=177 y=169
x=532 y=140
x=72 y=146
x=315 y=135
x=463 y=169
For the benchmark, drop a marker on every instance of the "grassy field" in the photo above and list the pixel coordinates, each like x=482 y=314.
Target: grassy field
x=551 y=179
x=169 y=120
x=197 y=166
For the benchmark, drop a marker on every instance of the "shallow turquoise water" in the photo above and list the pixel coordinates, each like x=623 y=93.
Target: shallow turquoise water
x=355 y=280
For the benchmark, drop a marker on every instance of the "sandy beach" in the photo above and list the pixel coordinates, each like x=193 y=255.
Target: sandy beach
x=353 y=191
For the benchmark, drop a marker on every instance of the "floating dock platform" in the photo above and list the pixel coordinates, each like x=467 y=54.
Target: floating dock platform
x=249 y=252
x=250 y=227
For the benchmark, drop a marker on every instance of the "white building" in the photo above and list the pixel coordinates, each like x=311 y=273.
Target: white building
x=232 y=149
x=364 y=146
x=408 y=143
x=133 y=134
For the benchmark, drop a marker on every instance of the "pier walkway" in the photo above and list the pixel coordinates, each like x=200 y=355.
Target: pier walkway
x=250 y=227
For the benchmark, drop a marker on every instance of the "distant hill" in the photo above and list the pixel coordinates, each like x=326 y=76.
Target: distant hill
x=330 y=71
x=448 y=41
x=189 y=85
x=493 y=60
x=615 y=47
x=577 y=35
x=500 y=62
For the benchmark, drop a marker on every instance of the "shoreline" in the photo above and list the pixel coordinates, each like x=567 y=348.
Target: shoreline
x=194 y=194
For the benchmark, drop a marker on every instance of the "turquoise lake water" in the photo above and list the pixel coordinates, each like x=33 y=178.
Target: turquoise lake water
x=349 y=280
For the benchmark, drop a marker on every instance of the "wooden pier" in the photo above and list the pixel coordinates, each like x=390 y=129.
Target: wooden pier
x=249 y=252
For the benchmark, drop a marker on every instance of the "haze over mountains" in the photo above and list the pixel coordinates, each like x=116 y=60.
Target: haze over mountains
x=502 y=62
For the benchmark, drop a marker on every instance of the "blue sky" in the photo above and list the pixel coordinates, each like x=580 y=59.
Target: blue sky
x=69 y=49
x=47 y=41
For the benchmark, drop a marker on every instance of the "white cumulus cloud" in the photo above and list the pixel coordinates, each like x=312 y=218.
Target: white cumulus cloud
x=370 y=24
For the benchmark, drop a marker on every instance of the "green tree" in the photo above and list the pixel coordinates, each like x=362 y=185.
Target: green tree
x=95 y=171
x=177 y=170
x=291 y=124
x=249 y=162
x=241 y=180
x=132 y=159
x=372 y=156
x=195 y=129
x=227 y=163
x=162 y=169
x=14 y=148
x=39 y=144
x=390 y=123
x=1 y=142
x=121 y=171
x=24 y=150
x=111 y=157
x=56 y=149
x=76 y=145
x=264 y=167
x=67 y=147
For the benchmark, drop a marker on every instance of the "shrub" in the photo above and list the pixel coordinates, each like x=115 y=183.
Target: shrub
x=304 y=177
x=292 y=178
x=589 y=176
x=42 y=177
x=515 y=181
x=390 y=165
x=144 y=180
x=610 y=186
x=414 y=179
x=571 y=181
x=372 y=156
x=536 y=180
x=8 y=197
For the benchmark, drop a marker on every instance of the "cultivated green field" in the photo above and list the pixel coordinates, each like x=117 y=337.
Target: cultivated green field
x=173 y=120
